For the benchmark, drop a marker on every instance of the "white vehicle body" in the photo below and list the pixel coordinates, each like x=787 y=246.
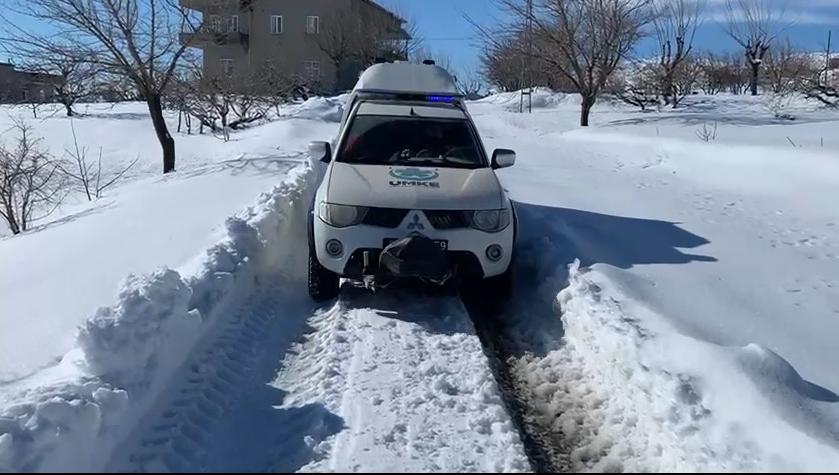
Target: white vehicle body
x=438 y=201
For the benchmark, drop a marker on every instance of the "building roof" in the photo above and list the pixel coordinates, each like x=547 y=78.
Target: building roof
x=407 y=78
x=383 y=9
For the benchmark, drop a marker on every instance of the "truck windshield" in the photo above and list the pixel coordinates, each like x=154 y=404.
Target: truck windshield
x=388 y=140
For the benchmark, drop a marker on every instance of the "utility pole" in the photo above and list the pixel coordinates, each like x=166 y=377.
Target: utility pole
x=827 y=59
x=527 y=70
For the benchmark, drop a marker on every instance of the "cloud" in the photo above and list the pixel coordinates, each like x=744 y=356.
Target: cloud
x=788 y=18
x=785 y=12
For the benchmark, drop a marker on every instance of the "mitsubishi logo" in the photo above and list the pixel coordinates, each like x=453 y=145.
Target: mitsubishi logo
x=415 y=224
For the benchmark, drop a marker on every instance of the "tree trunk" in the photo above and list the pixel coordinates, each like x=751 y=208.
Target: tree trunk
x=11 y=221
x=585 y=109
x=69 y=108
x=755 y=75
x=167 y=143
x=337 y=76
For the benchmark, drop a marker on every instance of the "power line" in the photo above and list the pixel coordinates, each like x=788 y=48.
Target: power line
x=465 y=38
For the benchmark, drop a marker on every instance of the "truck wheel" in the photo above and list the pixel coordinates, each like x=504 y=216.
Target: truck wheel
x=323 y=283
x=500 y=285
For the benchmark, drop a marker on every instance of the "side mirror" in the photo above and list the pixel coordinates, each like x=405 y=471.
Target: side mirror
x=503 y=158
x=320 y=151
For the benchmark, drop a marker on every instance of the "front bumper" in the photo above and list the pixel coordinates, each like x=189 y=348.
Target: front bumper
x=466 y=247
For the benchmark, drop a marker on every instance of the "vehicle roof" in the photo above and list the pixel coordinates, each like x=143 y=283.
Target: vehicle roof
x=407 y=78
x=410 y=110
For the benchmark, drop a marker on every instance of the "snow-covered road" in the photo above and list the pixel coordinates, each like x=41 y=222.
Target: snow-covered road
x=369 y=383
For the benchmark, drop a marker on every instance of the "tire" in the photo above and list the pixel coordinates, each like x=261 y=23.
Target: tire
x=500 y=285
x=323 y=283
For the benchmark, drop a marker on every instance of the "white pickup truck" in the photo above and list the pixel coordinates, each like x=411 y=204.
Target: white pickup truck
x=409 y=191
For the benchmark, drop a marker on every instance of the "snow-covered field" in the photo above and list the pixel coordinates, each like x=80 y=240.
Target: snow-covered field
x=677 y=307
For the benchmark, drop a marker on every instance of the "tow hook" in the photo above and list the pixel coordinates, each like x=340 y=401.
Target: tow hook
x=367 y=273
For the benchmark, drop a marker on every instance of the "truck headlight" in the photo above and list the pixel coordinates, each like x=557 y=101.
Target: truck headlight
x=341 y=216
x=491 y=221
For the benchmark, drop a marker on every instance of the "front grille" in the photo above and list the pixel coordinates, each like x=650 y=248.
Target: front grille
x=447 y=219
x=385 y=217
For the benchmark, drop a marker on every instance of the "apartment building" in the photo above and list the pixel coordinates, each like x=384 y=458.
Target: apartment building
x=242 y=36
x=24 y=86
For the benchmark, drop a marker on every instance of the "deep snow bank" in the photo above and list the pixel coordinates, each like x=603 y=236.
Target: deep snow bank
x=72 y=417
x=328 y=109
x=542 y=98
x=632 y=394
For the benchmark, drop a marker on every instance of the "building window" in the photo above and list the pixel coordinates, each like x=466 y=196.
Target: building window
x=313 y=25
x=215 y=23
x=233 y=24
x=276 y=24
x=312 y=69
x=227 y=67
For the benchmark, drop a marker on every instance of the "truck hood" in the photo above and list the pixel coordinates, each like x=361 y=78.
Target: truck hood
x=408 y=187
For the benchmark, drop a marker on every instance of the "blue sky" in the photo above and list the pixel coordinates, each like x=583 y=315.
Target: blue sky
x=442 y=25
x=444 y=28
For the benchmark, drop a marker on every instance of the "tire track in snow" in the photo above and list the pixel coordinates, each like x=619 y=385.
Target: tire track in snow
x=183 y=432
x=373 y=382
x=545 y=448
x=523 y=329
x=407 y=374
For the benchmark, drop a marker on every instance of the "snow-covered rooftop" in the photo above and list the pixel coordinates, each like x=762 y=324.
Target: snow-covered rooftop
x=407 y=78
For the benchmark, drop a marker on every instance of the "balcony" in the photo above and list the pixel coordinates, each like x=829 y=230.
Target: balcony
x=204 y=5
x=209 y=38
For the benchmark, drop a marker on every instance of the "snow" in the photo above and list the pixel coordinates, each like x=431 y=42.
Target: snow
x=666 y=402
x=73 y=416
x=675 y=307
x=541 y=98
x=329 y=109
x=699 y=333
x=410 y=381
x=162 y=378
x=65 y=269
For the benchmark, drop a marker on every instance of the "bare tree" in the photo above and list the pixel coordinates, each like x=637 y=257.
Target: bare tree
x=502 y=64
x=469 y=83
x=787 y=69
x=754 y=25
x=674 y=25
x=824 y=85
x=583 y=41
x=224 y=103
x=353 y=40
x=707 y=134
x=685 y=79
x=31 y=182
x=504 y=67
x=712 y=79
x=281 y=87
x=89 y=178
x=75 y=79
x=33 y=104
x=387 y=40
x=340 y=40
x=718 y=73
x=137 y=39
x=637 y=85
